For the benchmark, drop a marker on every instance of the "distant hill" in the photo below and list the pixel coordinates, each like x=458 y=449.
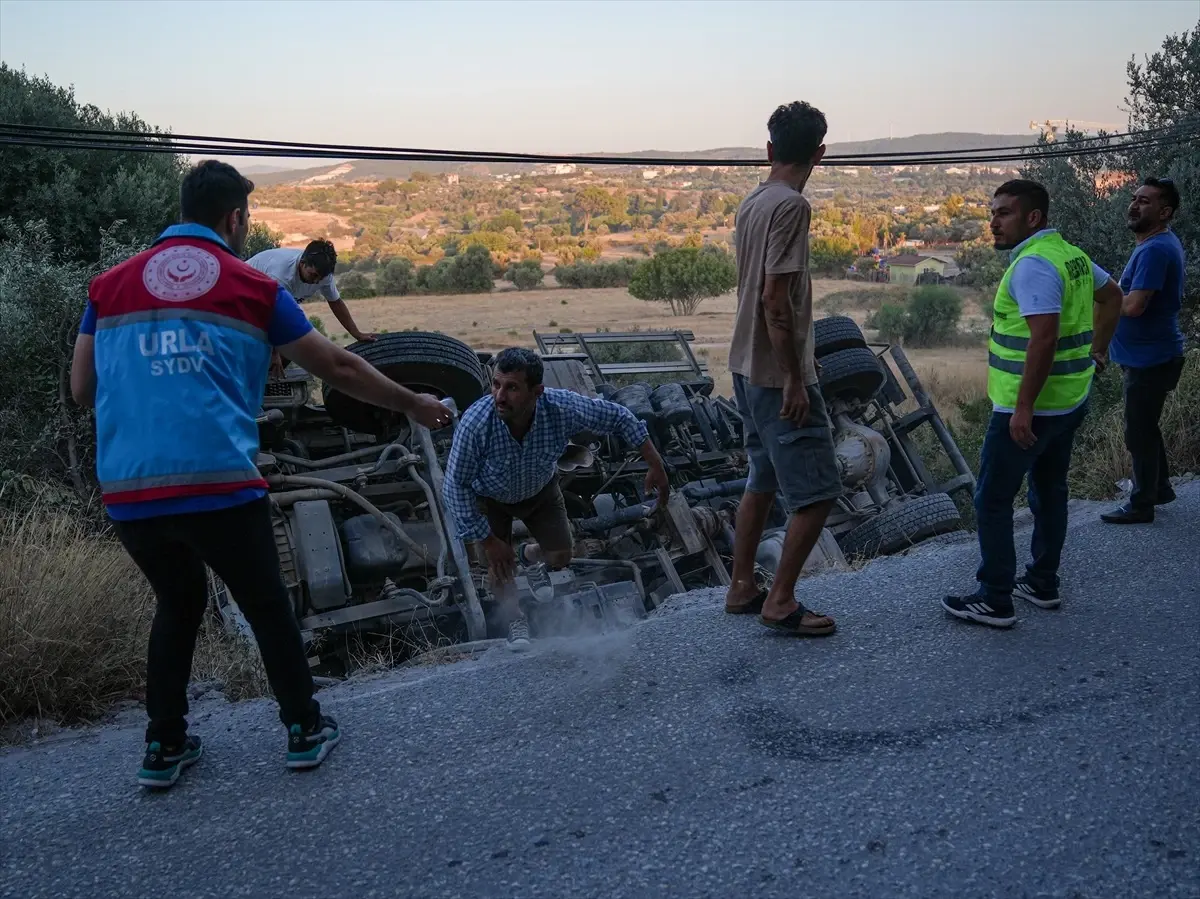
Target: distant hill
x=372 y=170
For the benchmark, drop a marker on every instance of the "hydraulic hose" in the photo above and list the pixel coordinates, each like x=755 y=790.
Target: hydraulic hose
x=366 y=505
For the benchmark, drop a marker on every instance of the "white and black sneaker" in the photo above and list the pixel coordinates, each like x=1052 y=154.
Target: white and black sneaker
x=1043 y=599
x=994 y=611
x=518 y=635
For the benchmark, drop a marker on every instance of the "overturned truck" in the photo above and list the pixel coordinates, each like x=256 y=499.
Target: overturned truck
x=369 y=552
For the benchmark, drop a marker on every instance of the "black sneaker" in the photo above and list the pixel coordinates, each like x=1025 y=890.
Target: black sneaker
x=162 y=766
x=1165 y=495
x=1127 y=514
x=308 y=748
x=518 y=635
x=994 y=611
x=1043 y=599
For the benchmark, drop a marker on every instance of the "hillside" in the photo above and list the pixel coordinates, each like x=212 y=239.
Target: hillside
x=375 y=170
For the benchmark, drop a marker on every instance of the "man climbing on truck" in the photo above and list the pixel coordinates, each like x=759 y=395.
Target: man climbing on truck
x=504 y=464
x=305 y=273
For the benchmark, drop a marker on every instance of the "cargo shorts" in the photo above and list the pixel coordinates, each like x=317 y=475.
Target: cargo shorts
x=798 y=463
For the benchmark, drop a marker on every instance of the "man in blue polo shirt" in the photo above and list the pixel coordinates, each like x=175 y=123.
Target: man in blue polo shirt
x=1148 y=344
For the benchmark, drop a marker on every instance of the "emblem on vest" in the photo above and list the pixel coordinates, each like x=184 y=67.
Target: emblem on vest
x=181 y=273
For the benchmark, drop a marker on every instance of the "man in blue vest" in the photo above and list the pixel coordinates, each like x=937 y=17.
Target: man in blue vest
x=173 y=353
x=1148 y=344
x=1040 y=366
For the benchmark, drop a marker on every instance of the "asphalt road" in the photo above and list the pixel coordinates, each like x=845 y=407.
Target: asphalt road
x=698 y=755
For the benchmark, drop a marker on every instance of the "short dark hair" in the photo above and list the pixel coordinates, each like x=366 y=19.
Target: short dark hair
x=1168 y=189
x=212 y=190
x=797 y=130
x=1031 y=194
x=321 y=255
x=516 y=359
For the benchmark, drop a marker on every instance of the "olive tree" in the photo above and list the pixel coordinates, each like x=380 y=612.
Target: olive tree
x=684 y=277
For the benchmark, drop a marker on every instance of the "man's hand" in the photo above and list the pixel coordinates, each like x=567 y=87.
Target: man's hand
x=1020 y=428
x=501 y=559
x=795 y=400
x=364 y=336
x=430 y=412
x=1100 y=357
x=656 y=482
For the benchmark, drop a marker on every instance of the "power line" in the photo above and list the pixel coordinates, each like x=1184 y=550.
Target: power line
x=128 y=141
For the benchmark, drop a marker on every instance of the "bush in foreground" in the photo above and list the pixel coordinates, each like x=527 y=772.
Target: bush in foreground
x=75 y=613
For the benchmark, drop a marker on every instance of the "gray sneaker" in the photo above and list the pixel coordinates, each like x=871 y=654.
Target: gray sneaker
x=518 y=635
x=538 y=577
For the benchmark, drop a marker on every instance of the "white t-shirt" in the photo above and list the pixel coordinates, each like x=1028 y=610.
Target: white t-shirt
x=284 y=266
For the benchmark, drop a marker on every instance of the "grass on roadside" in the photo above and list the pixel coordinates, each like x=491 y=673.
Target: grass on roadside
x=1099 y=460
x=75 y=614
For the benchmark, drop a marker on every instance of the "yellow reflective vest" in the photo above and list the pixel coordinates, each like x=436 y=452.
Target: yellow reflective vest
x=1071 y=374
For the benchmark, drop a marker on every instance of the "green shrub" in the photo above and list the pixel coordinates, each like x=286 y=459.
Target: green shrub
x=525 y=275
x=396 y=278
x=933 y=315
x=585 y=275
x=891 y=321
x=355 y=286
x=684 y=277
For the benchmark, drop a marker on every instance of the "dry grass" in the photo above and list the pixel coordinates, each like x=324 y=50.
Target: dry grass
x=74 y=618
x=1100 y=458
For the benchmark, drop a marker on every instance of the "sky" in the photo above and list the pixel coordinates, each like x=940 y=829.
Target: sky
x=571 y=76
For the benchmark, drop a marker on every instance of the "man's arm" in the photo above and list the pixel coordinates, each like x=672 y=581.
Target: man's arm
x=83 y=370
x=785 y=259
x=342 y=313
x=1039 y=357
x=1148 y=277
x=83 y=361
x=1106 y=312
x=1038 y=290
x=605 y=417
x=462 y=467
x=352 y=374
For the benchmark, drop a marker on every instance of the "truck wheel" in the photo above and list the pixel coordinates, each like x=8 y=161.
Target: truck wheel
x=423 y=361
x=904 y=526
x=853 y=374
x=835 y=333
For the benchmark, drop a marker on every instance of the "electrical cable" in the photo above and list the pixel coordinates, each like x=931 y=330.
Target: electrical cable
x=496 y=156
x=92 y=139
x=1040 y=151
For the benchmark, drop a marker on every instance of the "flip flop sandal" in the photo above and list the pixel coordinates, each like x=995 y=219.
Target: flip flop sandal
x=794 y=624
x=753 y=606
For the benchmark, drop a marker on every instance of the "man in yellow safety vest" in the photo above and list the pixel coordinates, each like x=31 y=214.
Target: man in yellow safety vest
x=1053 y=317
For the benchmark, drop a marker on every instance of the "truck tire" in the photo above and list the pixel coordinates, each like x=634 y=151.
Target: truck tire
x=904 y=526
x=423 y=361
x=835 y=333
x=853 y=374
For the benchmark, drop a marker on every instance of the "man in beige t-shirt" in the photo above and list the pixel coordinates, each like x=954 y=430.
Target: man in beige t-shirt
x=786 y=426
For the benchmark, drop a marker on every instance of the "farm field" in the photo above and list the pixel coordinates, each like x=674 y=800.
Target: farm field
x=509 y=317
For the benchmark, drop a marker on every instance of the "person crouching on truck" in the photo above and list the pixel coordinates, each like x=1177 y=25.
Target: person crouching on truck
x=305 y=273
x=172 y=353
x=504 y=464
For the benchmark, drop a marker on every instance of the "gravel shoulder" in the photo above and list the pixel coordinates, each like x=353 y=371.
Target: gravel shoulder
x=697 y=755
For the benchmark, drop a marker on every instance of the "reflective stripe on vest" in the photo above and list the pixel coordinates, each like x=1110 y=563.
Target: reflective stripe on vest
x=1071 y=372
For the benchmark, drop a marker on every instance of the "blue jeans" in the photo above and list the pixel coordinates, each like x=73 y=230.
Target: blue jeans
x=1003 y=466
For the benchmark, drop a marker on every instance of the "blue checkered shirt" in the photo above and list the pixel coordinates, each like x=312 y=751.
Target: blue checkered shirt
x=486 y=460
